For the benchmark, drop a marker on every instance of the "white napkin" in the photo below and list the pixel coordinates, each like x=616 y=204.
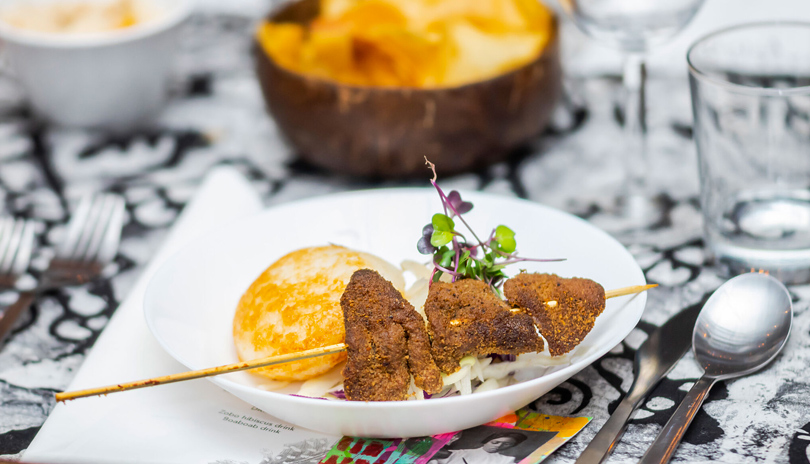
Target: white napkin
x=193 y=421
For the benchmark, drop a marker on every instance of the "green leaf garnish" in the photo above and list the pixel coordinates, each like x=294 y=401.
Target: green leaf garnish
x=454 y=255
x=505 y=237
x=442 y=222
x=440 y=238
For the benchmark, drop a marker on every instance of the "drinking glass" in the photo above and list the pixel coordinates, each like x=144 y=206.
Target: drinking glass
x=633 y=26
x=751 y=101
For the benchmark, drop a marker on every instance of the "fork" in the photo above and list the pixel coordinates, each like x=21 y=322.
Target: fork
x=16 y=245
x=90 y=243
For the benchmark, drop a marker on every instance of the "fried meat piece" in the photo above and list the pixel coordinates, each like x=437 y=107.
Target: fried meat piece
x=386 y=341
x=563 y=309
x=467 y=318
x=420 y=360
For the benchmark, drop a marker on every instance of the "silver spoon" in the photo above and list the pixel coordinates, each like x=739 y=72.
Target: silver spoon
x=742 y=327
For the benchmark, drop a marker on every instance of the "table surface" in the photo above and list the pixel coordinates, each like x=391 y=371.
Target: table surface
x=216 y=116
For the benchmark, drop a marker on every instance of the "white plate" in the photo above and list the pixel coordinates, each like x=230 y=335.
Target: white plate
x=191 y=300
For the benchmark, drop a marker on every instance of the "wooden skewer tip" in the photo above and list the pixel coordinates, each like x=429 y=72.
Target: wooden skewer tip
x=628 y=290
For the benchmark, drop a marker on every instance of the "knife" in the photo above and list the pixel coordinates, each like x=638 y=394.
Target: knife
x=654 y=359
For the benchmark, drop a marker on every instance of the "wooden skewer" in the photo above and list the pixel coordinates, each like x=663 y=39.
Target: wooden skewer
x=628 y=290
x=211 y=371
x=256 y=363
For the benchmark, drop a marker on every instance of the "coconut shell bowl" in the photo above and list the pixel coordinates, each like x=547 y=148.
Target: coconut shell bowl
x=387 y=132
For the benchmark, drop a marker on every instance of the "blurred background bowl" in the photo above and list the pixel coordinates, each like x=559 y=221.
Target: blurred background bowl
x=387 y=131
x=106 y=80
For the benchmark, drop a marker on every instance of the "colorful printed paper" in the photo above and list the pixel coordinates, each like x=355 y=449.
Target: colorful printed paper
x=524 y=437
x=564 y=428
x=355 y=450
x=419 y=450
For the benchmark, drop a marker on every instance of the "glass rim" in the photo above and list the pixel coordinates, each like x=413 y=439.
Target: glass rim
x=697 y=73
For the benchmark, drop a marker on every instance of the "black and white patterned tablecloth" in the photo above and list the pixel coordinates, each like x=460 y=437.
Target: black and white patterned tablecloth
x=216 y=116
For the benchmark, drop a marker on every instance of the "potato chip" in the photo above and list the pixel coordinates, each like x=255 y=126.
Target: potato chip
x=486 y=55
x=412 y=57
x=282 y=42
x=413 y=43
x=502 y=11
x=362 y=15
x=329 y=54
x=335 y=8
x=537 y=17
x=378 y=68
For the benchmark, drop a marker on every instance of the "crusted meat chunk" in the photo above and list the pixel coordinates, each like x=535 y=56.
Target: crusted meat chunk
x=386 y=342
x=563 y=309
x=420 y=361
x=466 y=318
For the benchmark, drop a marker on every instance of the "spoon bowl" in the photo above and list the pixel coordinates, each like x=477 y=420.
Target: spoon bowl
x=741 y=328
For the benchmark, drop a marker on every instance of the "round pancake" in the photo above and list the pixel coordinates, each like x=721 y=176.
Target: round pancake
x=294 y=305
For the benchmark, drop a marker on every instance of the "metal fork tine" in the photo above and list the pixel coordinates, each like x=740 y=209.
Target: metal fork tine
x=12 y=247
x=93 y=217
x=108 y=246
x=25 y=249
x=93 y=225
x=100 y=229
x=6 y=227
x=74 y=228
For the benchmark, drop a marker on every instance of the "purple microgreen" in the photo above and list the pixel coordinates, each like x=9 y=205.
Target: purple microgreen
x=453 y=255
x=457 y=204
x=445 y=201
x=423 y=245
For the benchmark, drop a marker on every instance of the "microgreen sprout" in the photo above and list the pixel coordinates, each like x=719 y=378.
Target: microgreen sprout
x=455 y=255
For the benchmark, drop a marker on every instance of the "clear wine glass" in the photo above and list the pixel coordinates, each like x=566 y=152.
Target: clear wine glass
x=634 y=27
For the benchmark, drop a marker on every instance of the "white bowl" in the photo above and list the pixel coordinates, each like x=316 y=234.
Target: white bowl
x=109 y=80
x=190 y=302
